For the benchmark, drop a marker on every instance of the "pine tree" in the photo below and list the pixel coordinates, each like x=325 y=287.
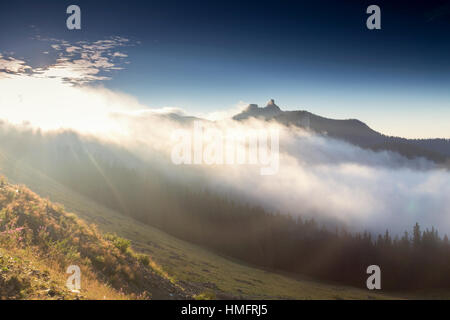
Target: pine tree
x=417 y=236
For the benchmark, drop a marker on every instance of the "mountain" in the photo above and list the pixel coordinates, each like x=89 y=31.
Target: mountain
x=351 y=130
x=269 y=111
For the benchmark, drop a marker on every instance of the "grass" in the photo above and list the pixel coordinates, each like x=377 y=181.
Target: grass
x=39 y=240
x=202 y=272
x=26 y=276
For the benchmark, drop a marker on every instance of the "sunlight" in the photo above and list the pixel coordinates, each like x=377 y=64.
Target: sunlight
x=50 y=103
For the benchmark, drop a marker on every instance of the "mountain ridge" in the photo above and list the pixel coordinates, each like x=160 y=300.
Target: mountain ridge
x=353 y=131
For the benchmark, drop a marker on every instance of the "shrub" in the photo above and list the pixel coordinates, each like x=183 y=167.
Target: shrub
x=120 y=243
x=144 y=259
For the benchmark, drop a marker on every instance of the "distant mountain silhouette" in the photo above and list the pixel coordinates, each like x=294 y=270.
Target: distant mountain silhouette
x=353 y=131
x=269 y=111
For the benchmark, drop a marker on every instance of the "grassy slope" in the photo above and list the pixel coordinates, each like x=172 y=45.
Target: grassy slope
x=39 y=240
x=195 y=268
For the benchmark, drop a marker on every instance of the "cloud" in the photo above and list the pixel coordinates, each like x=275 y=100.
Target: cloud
x=78 y=63
x=9 y=65
x=72 y=49
x=331 y=180
x=119 y=54
x=224 y=114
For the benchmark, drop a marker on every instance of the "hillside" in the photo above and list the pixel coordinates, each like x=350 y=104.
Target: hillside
x=39 y=240
x=199 y=271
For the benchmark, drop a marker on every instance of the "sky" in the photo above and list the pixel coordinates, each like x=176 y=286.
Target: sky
x=204 y=56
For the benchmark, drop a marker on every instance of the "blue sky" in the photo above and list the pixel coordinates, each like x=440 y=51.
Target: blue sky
x=210 y=55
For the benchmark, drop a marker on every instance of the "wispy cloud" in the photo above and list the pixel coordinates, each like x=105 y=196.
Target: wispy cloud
x=10 y=65
x=119 y=54
x=77 y=63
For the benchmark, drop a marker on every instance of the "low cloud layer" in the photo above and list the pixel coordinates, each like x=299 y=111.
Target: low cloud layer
x=319 y=177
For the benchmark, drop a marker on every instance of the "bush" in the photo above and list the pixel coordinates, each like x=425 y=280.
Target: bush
x=121 y=244
x=144 y=259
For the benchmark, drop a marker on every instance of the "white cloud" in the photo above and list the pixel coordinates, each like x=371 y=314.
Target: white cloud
x=319 y=177
x=119 y=54
x=72 y=49
x=12 y=65
x=224 y=114
x=79 y=63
